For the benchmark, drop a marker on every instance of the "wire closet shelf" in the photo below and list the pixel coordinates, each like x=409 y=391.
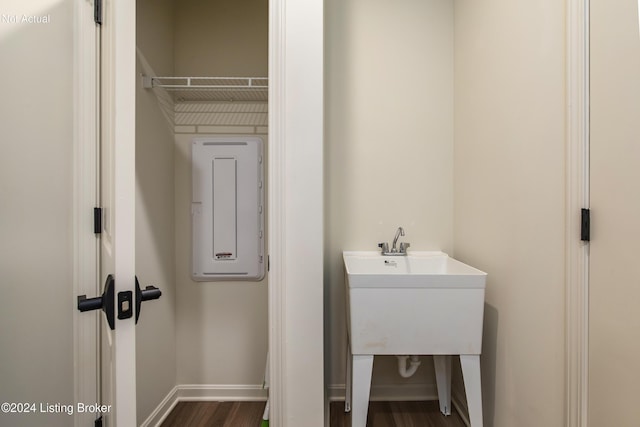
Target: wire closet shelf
x=213 y=89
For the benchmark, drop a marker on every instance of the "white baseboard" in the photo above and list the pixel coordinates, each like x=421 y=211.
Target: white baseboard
x=222 y=392
x=204 y=392
x=162 y=410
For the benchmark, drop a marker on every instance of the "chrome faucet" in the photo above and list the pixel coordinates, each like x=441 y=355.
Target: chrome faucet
x=394 y=250
x=399 y=232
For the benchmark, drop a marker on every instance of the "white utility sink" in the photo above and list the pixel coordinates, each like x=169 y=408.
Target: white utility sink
x=424 y=303
x=415 y=270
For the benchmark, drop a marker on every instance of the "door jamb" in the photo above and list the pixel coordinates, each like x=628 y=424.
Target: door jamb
x=577 y=197
x=85 y=197
x=296 y=213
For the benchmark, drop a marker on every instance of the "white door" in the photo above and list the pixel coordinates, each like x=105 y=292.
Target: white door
x=117 y=194
x=614 y=294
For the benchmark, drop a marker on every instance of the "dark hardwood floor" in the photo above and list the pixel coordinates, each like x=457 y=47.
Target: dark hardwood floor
x=215 y=414
x=249 y=414
x=398 y=414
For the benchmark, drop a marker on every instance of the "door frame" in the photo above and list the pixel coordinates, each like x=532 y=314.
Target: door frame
x=86 y=261
x=296 y=212
x=86 y=196
x=295 y=209
x=577 y=197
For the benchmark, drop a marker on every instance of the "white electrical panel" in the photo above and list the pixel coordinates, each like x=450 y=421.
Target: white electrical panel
x=227 y=208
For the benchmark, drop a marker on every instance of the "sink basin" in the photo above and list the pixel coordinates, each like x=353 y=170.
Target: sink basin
x=422 y=303
x=416 y=270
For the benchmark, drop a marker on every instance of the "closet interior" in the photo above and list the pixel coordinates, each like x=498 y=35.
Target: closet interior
x=203 y=73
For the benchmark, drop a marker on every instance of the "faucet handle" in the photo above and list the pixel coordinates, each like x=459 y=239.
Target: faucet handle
x=384 y=247
x=403 y=247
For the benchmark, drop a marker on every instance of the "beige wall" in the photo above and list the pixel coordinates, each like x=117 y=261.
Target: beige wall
x=221 y=326
x=221 y=38
x=36 y=195
x=509 y=198
x=506 y=178
x=155 y=253
x=388 y=144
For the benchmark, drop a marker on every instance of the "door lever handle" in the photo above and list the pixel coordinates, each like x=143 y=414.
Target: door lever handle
x=103 y=302
x=88 y=304
x=149 y=293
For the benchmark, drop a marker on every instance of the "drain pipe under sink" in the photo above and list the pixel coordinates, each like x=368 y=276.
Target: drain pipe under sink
x=413 y=365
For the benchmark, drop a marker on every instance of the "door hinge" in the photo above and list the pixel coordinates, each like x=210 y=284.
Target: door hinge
x=585 y=225
x=268 y=263
x=98 y=422
x=97 y=220
x=97 y=12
